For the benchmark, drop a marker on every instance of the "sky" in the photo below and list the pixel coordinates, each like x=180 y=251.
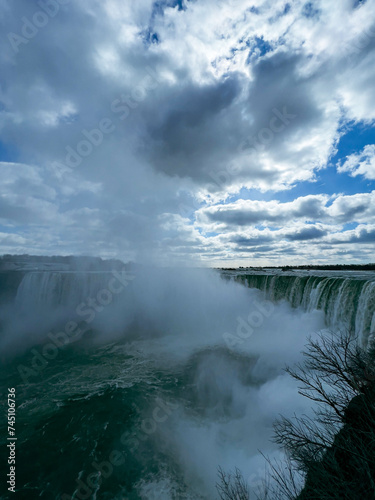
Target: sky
x=190 y=132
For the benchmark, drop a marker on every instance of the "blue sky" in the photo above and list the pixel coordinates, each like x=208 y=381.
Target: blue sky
x=203 y=133
x=7 y=153
x=329 y=180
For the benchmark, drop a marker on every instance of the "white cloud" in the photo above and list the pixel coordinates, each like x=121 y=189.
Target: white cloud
x=362 y=163
x=207 y=128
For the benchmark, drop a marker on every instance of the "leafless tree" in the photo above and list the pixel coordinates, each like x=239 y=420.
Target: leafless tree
x=232 y=486
x=334 y=450
x=332 y=454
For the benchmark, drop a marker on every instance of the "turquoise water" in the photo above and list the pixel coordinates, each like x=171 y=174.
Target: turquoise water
x=93 y=405
x=173 y=377
x=83 y=407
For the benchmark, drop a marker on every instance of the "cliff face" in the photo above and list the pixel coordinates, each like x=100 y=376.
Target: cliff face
x=347 y=470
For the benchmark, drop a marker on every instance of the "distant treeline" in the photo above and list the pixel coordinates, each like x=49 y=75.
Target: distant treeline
x=332 y=267
x=327 y=267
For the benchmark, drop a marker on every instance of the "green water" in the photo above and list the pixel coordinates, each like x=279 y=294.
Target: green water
x=153 y=414
x=84 y=407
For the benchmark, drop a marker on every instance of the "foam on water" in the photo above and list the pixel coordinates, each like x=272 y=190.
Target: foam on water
x=346 y=298
x=211 y=351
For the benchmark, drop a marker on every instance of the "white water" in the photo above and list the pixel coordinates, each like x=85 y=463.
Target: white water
x=231 y=344
x=346 y=298
x=59 y=289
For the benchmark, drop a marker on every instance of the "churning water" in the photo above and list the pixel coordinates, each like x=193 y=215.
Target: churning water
x=142 y=385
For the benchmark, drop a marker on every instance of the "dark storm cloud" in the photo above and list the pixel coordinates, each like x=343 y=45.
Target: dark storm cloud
x=197 y=130
x=310 y=208
x=243 y=241
x=191 y=128
x=277 y=84
x=239 y=99
x=306 y=234
x=243 y=217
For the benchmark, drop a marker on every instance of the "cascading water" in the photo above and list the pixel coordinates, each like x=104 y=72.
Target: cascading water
x=178 y=373
x=59 y=289
x=347 y=299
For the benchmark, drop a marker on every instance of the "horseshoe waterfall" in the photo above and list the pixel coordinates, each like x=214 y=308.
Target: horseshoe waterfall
x=139 y=383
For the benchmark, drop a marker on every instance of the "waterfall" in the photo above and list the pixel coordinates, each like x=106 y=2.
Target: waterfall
x=59 y=289
x=348 y=300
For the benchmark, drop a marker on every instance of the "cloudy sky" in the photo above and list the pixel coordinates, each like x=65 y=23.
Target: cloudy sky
x=211 y=132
